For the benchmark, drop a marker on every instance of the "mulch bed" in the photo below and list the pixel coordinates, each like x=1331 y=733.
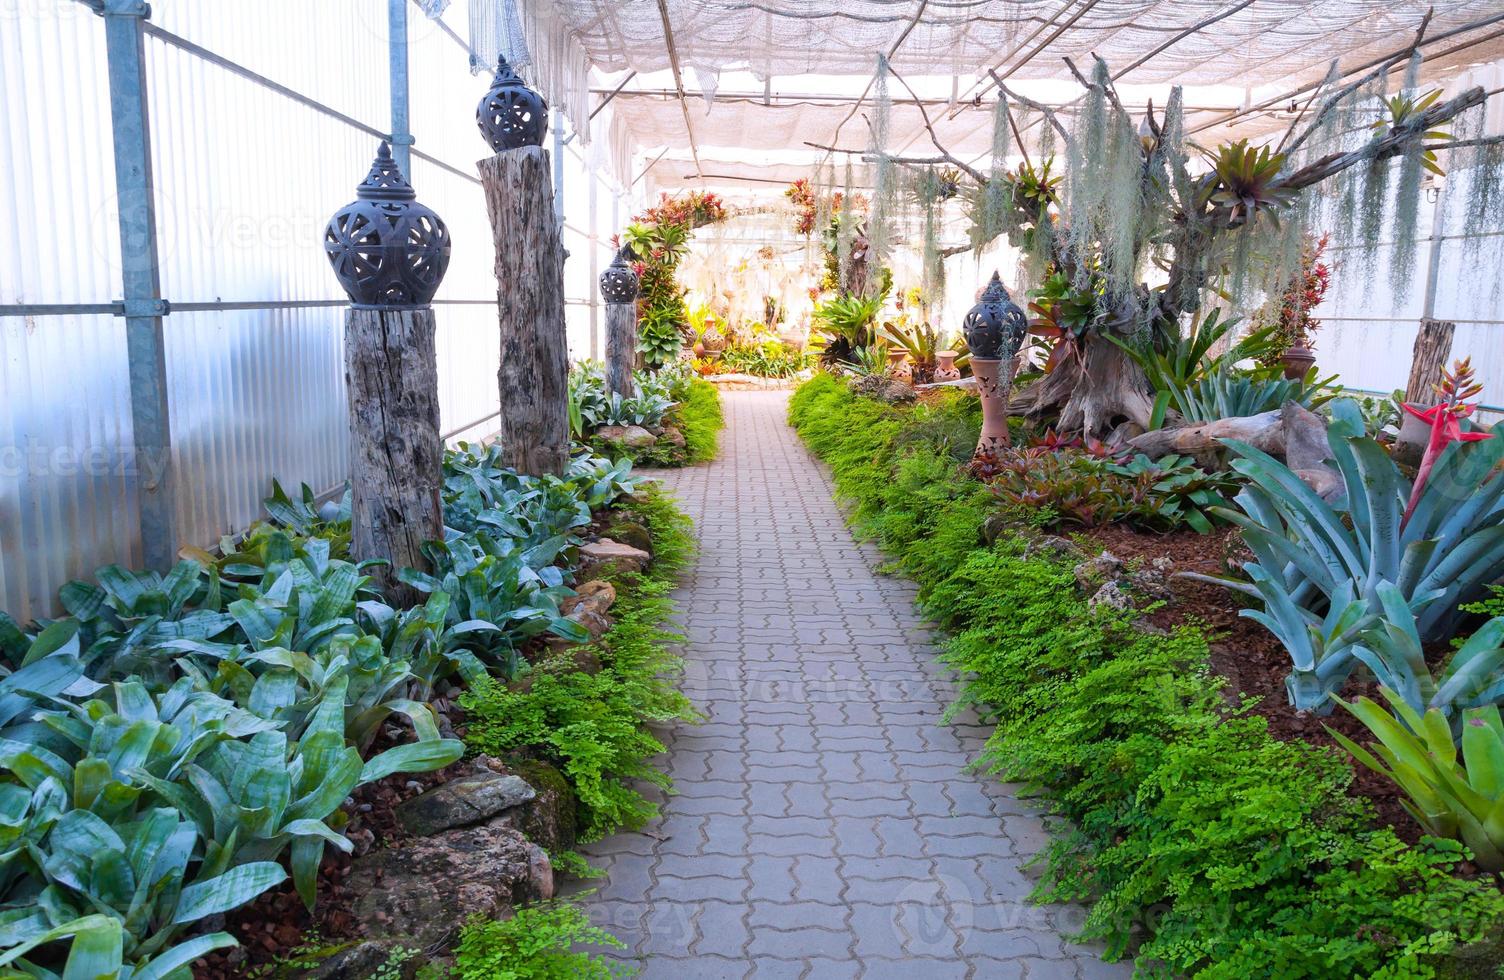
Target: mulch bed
x=1253 y=661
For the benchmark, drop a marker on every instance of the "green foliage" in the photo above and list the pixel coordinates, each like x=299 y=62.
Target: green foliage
x=171 y=743
x=701 y=421
x=765 y=358
x=1462 y=800
x=1075 y=487
x=1319 y=566
x=845 y=323
x=537 y=943
x=670 y=398
x=593 y=726
x=1196 y=840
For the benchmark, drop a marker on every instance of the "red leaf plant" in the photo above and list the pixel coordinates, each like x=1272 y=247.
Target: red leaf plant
x=1444 y=419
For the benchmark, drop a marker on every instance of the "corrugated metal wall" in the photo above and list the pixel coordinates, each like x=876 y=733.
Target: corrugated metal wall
x=246 y=176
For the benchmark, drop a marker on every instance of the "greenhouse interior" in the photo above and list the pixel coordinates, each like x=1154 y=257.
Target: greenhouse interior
x=704 y=489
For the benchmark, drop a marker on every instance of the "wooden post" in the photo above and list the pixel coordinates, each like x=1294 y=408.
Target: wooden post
x=1433 y=345
x=396 y=455
x=533 y=381
x=621 y=346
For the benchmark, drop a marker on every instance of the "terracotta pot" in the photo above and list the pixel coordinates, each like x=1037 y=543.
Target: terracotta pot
x=699 y=349
x=898 y=367
x=994 y=378
x=945 y=366
x=1297 y=359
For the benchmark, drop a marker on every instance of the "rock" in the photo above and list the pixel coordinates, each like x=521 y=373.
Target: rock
x=386 y=958
x=1092 y=573
x=605 y=554
x=993 y=527
x=550 y=819
x=631 y=436
x=589 y=605
x=1052 y=546
x=425 y=889
x=632 y=533
x=462 y=802
x=1112 y=596
x=672 y=436
x=882 y=388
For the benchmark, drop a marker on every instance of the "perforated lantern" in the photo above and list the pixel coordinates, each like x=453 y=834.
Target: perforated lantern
x=388 y=250
x=995 y=330
x=995 y=326
x=619 y=282
x=510 y=114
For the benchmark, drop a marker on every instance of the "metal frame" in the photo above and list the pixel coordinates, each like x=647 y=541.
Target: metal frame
x=142 y=306
x=402 y=137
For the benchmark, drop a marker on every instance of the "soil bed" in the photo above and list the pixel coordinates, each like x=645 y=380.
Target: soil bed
x=1254 y=663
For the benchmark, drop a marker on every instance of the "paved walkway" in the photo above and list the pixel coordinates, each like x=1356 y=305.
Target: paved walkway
x=824 y=825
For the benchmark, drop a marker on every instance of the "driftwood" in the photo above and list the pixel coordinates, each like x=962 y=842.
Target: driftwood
x=534 y=377
x=396 y=455
x=621 y=346
x=1433 y=345
x=1292 y=433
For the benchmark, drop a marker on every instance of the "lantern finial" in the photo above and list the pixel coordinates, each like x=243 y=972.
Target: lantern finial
x=995 y=326
x=388 y=250
x=619 y=281
x=511 y=115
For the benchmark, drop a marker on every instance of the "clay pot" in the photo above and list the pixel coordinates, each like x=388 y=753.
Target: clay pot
x=898 y=366
x=945 y=366
x=699 y=349
x=994 y=378
x=1297 y=359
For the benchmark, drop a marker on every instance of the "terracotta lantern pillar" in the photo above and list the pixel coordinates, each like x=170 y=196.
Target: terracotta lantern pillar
x=994 y=330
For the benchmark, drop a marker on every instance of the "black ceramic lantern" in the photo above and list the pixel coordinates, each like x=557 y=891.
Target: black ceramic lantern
x=995 y=327
x=510 y=114
x=389 y=251
x=619 y=282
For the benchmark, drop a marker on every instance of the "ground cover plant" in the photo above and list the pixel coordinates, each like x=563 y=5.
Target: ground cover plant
x=678 y=415
x=1201 y=844
x=177 y=743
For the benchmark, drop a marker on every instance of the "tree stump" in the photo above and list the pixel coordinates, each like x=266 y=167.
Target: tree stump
x=396 y=455
x=621 y=346
x=533 y=381
x=1433 y=345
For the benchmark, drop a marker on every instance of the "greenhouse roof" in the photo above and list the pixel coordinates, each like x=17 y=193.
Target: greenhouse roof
x=702 y=81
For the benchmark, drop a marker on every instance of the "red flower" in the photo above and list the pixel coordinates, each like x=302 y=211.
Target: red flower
x=1444 y=420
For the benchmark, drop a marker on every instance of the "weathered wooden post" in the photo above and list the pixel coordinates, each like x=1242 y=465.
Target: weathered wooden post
x=1433 y=345
x=619 y=289
x=533 y=381
x=390 y=254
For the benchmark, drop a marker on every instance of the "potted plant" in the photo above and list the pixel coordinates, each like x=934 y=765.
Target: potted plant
x=1294 y=336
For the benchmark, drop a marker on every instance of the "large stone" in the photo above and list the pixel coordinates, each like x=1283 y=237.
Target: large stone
x=1106 y=567
x=551 y=819
x=462 y=802
x=590 y=606
x=632 y=533
x=605 y=554
x=672 y=436
x=385 y=958
x=425 y=889
x=1112 y=596
x=631 y=436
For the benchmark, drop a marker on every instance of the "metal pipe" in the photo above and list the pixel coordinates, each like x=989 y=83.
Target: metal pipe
x=396 y=44
x=559 y=170
x=146 y=356
x=1433 y=258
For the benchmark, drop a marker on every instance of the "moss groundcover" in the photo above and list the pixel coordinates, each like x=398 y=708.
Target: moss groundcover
x=1201 y=845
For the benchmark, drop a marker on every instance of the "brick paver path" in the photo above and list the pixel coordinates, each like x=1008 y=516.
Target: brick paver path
x=824 y=825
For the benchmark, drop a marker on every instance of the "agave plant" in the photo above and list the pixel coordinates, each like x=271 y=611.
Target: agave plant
x=1472 y=676
x=1449 y=798
x=1313 y=559
x=1229 y=393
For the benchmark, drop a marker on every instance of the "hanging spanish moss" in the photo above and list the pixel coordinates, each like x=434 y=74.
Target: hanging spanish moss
x=885 y=189
x=846 y=221
x=1483 y=205
x=1000 y=137
x=1088 y=172
x=932 y=280
x=1407 y=197
x=1120 y=220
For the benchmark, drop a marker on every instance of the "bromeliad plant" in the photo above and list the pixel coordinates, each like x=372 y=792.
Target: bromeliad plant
x=1318 y=566
x=1461 y=799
